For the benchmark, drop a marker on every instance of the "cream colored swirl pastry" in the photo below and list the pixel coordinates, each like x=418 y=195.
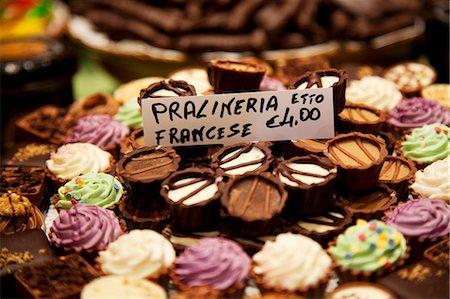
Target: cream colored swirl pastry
x=374 y=91
x=139 y=254
x=433 y=182
x=74 y=159
x=118 y=286
x=292 y=262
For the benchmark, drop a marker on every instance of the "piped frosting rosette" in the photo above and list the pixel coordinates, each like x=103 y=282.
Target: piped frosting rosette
x=416 y=112
x=433 y=181
x=85 y=228
x=367 y=249
x=99 y=189
x=421 y=218
x=100 y=129
x=293 y=263
x=374 y=91
x=73 y=159
x=427 y=144
x=216 y=262
x=130 y=114
x=138 y=254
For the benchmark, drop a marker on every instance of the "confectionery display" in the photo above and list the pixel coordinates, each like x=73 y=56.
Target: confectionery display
x=352 y=202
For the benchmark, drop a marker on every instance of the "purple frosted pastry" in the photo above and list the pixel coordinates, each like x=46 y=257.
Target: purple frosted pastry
x=270 y=83
x=85 y=228
x=416 y=112
x=216 y=262
x=422 y=218
x=99 y=129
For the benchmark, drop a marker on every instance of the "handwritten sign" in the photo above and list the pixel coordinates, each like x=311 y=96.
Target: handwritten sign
x=239 y=117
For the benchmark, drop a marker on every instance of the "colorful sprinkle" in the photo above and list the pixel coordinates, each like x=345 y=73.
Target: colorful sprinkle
x=361 y=222
x=362 y=237
x=372 y=246
x=348 y=256
x=382 y=237
x=372 y=226
x=382 y=244
x=438 y=130
x=116 y=186
x=379 y=230
x=73 y=201
x=383 y=260
x=387 y=265
x=79 y=181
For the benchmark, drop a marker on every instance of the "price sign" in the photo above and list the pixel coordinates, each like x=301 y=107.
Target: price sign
x=239 y=117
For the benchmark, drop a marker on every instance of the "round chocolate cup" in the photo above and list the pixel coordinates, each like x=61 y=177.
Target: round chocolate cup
x=147 y=188
x=399 y=184
x=179 y=87
x=338 y=87
x=323 y=238
x=358 y=177
x=243 y=77
x=359 y=284
x=308 y=199
x=98 y=103
x=141 y=214
x=356 y=202
x=204 y=215
x=264 y=222
x=349 y=124
x=389 y=139
x=245 y=147
x=136 y=136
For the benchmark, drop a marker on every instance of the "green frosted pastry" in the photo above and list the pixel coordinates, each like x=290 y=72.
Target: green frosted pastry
x=99 y=189
x=427 y=144
x=130 y=114
x=368 y=246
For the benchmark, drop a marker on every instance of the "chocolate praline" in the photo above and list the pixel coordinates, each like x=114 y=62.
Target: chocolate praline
x=361 y=118
x=396 y=173
x=176 y=87
x=253 y=203
x=242 y=158
x=193 y=198
x=309 y=181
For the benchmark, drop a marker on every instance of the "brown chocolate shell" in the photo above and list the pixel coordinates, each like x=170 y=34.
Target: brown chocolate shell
x=203 y=215
x=218 y=160
x=359 y=285
x=253 y=203
x=361 y=118
x=307 y=198
x=302 y=147
x=314 y=78
x=179 y=87
x=369 y=204
x=439 y=253
x=396 y=173
x=137 y=138
x=234 y=76
x=33 y=220
x=359 y=158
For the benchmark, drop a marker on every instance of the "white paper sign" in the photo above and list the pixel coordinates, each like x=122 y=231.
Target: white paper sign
x=239 y=117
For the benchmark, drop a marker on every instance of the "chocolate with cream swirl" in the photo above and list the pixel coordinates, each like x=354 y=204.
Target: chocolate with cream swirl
x=85 y=228
x=215 y=262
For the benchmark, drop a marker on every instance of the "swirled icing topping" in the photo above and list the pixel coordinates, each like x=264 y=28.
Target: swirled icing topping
x=73 y=159
x=130 y=114
x=292 y=262
x=368 y=246
x=118 y=286
x=18 y=214
x=242 y=158
x=100 y=129
x=138 y=254
x=99 y=189
x=215 y=262
x=416 y=112
x=374 y=91
x=427 y=144
x=85 y=228
x=433 y=181
x=422 y=218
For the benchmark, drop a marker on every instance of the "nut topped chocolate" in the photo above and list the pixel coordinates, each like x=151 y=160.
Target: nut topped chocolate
x=359 y=158
x=253 y=202
x=232 y=76
x=411 y=77
x=242 y=158
x=193 y=197
x=326 y=78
